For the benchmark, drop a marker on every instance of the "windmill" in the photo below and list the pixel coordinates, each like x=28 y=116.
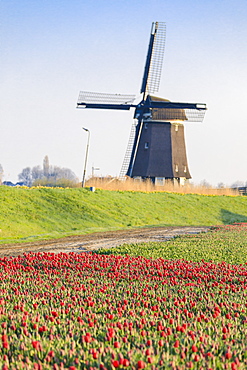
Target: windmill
x=156 y=148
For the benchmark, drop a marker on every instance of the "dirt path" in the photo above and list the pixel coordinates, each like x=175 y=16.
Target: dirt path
x=90 y=242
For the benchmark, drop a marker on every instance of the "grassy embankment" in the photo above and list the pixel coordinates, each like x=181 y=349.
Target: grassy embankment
x=42 y=213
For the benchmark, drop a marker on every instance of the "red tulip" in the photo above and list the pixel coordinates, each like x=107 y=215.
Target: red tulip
x=126 y=362
x=194 y=348
x=36 y=344
x=141 y=365
x=228 y=355
x=115 y=363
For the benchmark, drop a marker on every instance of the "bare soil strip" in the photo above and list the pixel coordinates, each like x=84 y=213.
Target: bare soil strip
x=91 y=242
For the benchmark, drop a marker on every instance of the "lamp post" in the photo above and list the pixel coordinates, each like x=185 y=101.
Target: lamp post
x=85 y=165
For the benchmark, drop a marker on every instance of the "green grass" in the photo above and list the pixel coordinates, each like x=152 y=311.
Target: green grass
x=225 y=243
x=42 y=213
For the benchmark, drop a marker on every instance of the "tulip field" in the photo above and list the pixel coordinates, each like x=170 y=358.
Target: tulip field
x=112 y=310
x=223 y=243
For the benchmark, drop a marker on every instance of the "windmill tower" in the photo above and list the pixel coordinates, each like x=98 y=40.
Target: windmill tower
x=156 y=148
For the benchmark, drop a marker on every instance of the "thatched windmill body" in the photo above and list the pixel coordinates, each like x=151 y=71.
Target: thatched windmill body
x=156 y=148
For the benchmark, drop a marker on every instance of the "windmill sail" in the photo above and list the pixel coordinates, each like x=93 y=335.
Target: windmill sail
x=105 y=101
x=128 y=152
x=154 y=60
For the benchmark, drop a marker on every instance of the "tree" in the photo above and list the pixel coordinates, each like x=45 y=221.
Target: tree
x=46 y=166
x=26 y=176
x=220 y=185
x=48 y=175
x=237 y=184
x=205 y=184
x=1 y=174
x=62 y=173
x=37 y=173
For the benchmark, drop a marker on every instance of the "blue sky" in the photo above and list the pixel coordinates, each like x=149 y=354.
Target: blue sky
x=50 y=50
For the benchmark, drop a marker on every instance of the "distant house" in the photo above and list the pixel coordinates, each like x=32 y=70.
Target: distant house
x=20 y=183
x=241 y=189
x=8 y=183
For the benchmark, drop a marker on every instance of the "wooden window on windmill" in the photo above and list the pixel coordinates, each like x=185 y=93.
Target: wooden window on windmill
x=146 y=146
x=176 y=127
x=185 y=169
x=176 y=167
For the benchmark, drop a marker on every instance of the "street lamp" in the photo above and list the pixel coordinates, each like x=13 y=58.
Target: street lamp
x=85 y=165
x=94 y=169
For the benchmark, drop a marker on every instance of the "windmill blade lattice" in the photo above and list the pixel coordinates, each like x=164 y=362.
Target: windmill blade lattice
x=128 y=152
x=104 y=98
x=154 y=61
